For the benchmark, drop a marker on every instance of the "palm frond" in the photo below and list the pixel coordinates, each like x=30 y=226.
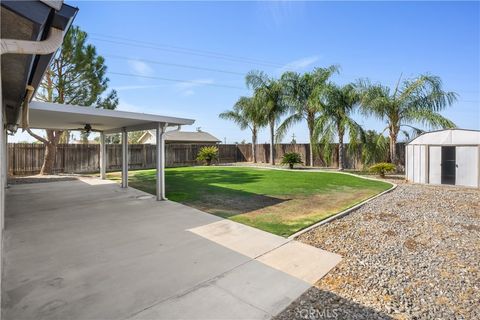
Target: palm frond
x=425 y=92
x=256 y=79
x=286 y=125
x=235 y=117
x=427 y=118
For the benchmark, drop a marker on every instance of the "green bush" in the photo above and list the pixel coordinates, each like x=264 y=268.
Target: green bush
x=291 y=158
x=382 y=168
x=208 y=154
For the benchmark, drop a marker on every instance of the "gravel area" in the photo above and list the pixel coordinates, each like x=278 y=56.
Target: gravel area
x=413 y=253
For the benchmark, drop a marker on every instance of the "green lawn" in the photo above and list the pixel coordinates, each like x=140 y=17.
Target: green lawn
x=278 y=201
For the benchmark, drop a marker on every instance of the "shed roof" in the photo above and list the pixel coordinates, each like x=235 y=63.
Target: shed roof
x=44 y=115
x=448 y=137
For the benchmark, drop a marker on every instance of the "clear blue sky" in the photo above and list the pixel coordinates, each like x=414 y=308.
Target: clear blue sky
x=378 y=40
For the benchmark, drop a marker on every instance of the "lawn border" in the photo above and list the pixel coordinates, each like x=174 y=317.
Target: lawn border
x=337 y=215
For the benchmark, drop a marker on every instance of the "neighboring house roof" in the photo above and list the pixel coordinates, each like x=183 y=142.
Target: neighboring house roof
x=448 y=137
x=180 y=136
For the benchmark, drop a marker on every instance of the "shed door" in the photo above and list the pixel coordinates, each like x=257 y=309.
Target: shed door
x=435 y=165
x=449 y=164
x=467 y=166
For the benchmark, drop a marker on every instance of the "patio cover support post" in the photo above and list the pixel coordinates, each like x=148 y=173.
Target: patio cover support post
x=124 y=158
x=160 y=135
x=3 y=162
x=5 y=167
x=103 y=156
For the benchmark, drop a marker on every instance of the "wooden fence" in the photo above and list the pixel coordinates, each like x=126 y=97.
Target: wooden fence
x=352 y=160
x=27 y=159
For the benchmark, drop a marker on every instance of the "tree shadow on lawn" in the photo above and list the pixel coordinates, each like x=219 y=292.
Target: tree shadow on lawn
x=200 y=189
x=320 y=304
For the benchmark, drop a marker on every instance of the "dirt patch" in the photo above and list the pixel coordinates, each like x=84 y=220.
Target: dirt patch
x=287 y=208
x=411 y=244
x=390 y=233
x=38 y=179
x=301 y=207
x=470 y=227
x=386 y=217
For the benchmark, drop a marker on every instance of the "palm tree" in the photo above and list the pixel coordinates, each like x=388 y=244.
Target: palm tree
x=336 y=119
x=247 y=113
x=413 y=101
x=269 y=91
x=374 y=148
x=302 y=92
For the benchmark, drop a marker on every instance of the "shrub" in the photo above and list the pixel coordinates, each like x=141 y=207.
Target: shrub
x=208 y=154
x=382 y=168
x=291 y=158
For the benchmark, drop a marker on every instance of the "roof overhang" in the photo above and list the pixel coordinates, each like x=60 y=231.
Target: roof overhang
x=29 y=21
x=44 y=115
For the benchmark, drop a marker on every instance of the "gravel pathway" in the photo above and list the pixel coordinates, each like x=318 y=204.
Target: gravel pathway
x=413 y=253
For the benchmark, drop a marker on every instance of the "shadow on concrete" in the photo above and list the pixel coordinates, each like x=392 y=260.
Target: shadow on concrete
x=322 y=305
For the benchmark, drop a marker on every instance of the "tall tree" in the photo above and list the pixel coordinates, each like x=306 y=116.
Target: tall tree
x=247 y=113
x=374 y=148
x=134 y=136
x=303 y=92
x=270 y=93
x=76 y=76
x=411 y=102
x=336 y=120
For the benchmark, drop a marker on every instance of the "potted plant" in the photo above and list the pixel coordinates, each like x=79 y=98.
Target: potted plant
x=208 y=154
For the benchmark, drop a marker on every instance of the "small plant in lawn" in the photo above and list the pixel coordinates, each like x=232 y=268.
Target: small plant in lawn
x=291 y=158
x=208 y=154
x=382 y=168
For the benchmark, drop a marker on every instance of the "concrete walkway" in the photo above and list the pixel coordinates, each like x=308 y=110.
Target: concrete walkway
x=88 y=249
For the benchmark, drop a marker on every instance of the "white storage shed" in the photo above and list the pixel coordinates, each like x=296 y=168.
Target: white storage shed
x=449 y=156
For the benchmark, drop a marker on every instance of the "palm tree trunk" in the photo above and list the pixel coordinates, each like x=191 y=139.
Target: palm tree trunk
x=393 y=146
x=311 y=124
x=272 y=142
x=254 y=144
x=340 y=148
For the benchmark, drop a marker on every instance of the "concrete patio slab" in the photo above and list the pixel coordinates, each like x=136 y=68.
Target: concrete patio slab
x=252 y=282
x=239 y=237
x=208 y=301
x=301 y=261
x=90 y=250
